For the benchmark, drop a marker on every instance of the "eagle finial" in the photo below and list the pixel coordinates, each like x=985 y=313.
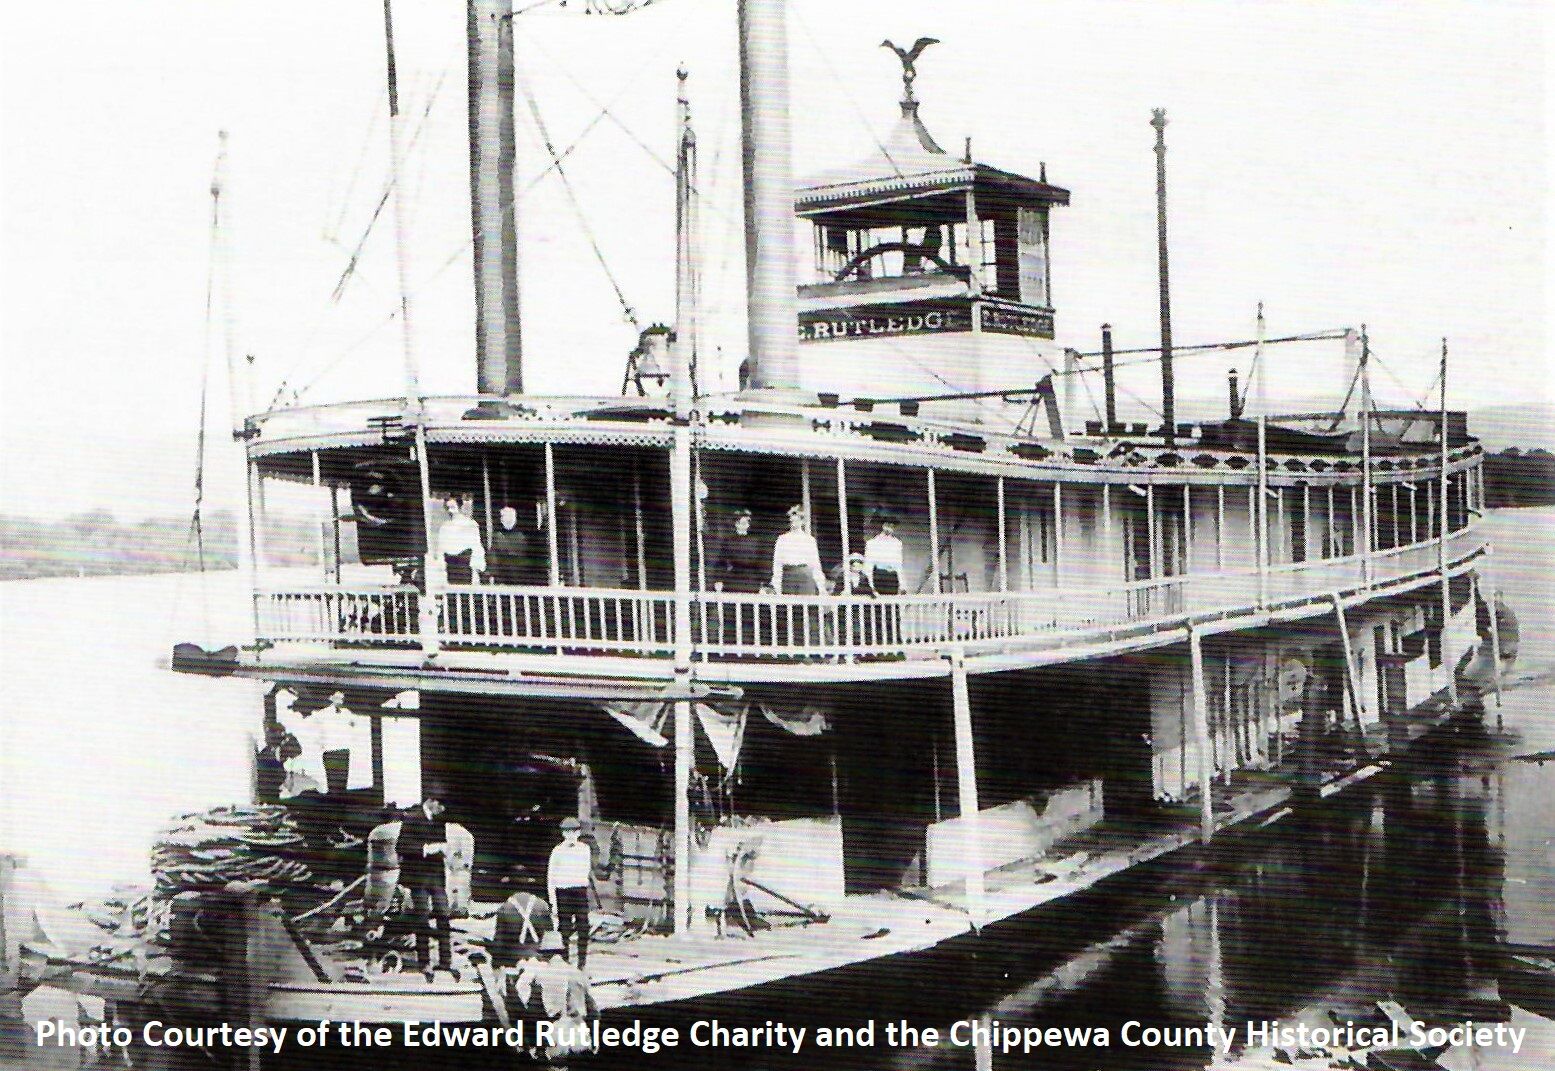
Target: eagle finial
x=908 y=57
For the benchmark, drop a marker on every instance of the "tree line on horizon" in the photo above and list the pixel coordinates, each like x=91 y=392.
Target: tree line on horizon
x=96 y=543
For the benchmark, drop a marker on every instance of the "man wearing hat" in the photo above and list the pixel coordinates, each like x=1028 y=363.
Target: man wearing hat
x=423 y=840
x=568 y=877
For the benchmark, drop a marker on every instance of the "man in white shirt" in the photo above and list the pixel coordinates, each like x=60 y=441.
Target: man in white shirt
x=568 y=877
x=883 y=558
x=459 y=541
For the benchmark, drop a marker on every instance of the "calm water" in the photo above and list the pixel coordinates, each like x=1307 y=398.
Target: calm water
x=1387 y=893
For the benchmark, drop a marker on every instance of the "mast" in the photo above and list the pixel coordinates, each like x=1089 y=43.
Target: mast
x=1261 y=373
x=493 y=206
x=1168 y=390
x=1441 y=546
x=771 y=281
x=426 y=612
x=1368 y=508
x=681 y=351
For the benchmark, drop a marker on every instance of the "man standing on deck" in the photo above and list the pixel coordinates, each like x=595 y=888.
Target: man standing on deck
x=422 y=842
x=568 y=878
x=509 y=556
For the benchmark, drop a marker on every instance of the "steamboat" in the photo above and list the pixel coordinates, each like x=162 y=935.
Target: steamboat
x=888 y=646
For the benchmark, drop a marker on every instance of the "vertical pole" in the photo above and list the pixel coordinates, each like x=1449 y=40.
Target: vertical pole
x=334 y=519
x=804 y=490
x=254 y=545
x=1168 y=401
x=1201 y=737
x=555 y=572
x=1004 y=563
x=1495 y=650
x=1414 y=517
x=313 y=457
x=682 y=491
x=1187 y=528
x=1220 y=526
x=966 y=780
x=1281 y=529
x=1329 y=547
x=637 y=517
x=1152 y=532
x=1441 y=546
x=974 y=244
x=1058 y=532
x=847 y=548
x=431 y=572
x=1109 y=384
x=1260 y=358
x=1306 y=522
x=1071 y=398
x=771 y=283
x=933 y=532
x=486 y=495
x=1367 y=506
x=1261 y=543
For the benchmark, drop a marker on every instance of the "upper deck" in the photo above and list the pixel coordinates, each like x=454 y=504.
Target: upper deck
x=1017 y=550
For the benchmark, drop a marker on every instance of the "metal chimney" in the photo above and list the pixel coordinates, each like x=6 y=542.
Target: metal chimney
x=771 y=281
x=493 y=209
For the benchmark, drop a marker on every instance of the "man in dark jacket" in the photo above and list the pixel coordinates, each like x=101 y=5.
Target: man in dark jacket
x=422 y=843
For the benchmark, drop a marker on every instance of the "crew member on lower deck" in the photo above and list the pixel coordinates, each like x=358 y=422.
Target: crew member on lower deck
x=422 y=843
x=568 y=877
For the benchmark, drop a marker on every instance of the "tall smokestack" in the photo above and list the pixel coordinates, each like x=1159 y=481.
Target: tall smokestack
x=771 y=283
x=493 y=210
x=1168 y=390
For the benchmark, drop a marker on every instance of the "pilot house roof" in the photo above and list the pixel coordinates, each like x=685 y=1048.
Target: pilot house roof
x=911 y=167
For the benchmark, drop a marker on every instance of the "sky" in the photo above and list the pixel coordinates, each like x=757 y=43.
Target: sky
x=1344 y=163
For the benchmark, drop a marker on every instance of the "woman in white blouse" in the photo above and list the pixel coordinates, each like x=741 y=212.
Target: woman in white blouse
x=796 y=560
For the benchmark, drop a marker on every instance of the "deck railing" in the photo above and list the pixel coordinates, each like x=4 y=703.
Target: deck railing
x=727 y=625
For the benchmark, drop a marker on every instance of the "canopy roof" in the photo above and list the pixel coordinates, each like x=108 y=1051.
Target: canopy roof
x=911 y=167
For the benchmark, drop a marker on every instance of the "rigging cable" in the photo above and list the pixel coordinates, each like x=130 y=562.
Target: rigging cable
x=577 y=208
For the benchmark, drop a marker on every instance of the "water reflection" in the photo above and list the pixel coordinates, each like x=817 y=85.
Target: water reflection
x=1394 y=891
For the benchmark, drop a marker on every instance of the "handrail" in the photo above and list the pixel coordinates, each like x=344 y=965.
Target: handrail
x=737 y=625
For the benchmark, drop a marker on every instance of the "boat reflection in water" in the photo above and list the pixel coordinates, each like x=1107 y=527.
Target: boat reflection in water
x=1392 y=892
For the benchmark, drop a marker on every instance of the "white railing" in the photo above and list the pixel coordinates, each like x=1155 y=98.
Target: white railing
x=584 y=619
x=378 y=615
x=727 y=625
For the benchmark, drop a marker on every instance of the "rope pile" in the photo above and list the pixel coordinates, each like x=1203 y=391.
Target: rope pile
x=208 y=849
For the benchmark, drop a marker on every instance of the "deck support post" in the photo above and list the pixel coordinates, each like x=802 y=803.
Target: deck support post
x=486 y=496
x=1441 y=546
x=1495 y=652
x=1200 y=709
x=680 y=502
x=555 y=572
x=334 y=520
x=1004 y=557
x=1352 y=673
x=1220 y=526
x=313 y=457
x=637 y=517
x=1058 y=533
x=1187 y=528
x=966 y=780
x=431 y=578
x=847 y=548
x=933 y=532
x=1261 y=542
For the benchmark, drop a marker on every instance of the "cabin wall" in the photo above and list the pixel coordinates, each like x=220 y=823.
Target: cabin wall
x=922 y=364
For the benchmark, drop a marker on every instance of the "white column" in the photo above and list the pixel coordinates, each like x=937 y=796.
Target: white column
x=1200 y=711
x=1262 y=542
x=1220 y=526
x=551 y=519
x=966 y=780
x=1004 y=565
x=933 y=532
